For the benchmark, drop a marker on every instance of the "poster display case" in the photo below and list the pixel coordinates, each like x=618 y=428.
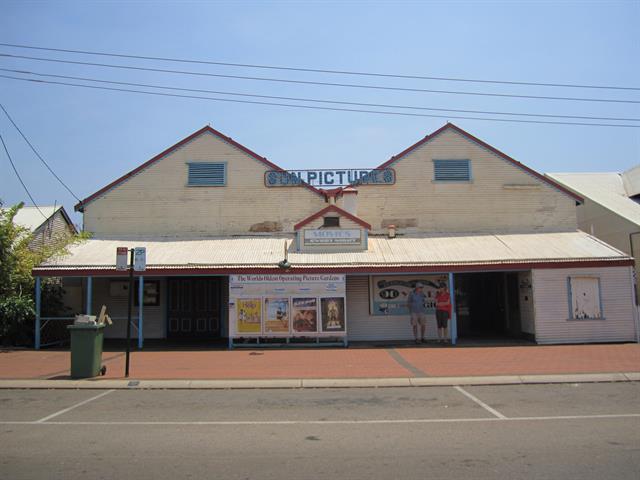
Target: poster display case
x=287 y=306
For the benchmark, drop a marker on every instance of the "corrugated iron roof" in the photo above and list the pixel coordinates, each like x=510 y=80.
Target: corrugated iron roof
x=607 y=189
x=405 y=251
x=31 y=218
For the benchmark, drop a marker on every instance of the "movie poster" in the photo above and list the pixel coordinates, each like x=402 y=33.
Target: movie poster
x=305 y=315
x=332 y=314
x=389 y=294
x=276 y=315
x=249 y=315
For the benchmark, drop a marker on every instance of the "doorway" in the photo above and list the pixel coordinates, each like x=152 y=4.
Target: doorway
x=194 y=308
x=487 y=305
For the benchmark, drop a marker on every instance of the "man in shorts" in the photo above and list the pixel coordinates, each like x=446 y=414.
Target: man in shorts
x=418 y=311
x=443 y=311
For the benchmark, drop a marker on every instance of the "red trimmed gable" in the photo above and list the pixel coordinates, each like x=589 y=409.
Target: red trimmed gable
x=332 y=208
x=80 y=205
x=504 y=156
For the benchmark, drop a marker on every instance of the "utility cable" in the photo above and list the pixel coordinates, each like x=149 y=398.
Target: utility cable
x=20 y=178
x=313 y=107
x=318 y=70
x=330 y=84
x=314 y=100
x=36 y=152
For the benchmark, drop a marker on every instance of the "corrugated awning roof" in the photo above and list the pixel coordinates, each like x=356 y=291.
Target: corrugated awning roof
x=428 y=252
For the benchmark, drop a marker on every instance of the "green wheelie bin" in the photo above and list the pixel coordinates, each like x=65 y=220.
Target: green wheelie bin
x=86 y=350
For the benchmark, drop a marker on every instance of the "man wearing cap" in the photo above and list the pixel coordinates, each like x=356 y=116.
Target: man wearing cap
x=418 y=311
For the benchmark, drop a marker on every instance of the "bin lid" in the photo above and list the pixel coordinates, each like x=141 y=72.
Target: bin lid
x=86 y=326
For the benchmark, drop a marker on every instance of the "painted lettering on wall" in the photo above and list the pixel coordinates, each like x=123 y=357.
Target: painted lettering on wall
x=329 y=178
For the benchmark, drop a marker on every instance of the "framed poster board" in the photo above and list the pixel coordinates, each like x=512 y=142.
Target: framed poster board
x=388 y=294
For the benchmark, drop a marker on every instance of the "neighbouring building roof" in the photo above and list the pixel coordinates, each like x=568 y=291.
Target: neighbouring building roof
x=401 y=254
x=606 y=189
x=33 y=218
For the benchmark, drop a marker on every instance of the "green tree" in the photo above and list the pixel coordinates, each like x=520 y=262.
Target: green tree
x=17 y=260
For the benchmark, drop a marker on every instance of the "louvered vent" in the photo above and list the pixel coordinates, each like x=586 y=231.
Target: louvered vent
x=452 y=170
x=207 y=174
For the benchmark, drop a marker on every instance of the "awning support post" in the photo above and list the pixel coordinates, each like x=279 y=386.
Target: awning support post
x=38 y=299
x=454 y=316
x=89 y=295
x=140 y=312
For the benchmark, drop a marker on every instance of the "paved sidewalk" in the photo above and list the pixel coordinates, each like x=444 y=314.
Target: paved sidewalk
x=336 y=366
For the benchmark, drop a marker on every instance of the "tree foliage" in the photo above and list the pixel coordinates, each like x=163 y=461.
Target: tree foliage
x=17 y=260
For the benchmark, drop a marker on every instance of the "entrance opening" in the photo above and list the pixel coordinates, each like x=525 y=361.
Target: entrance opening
x=488 y=306
x=194 y=308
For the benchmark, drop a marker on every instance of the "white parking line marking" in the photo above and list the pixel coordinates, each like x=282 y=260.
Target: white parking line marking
x=336 y=422
x=481 y=403
x=53 y=415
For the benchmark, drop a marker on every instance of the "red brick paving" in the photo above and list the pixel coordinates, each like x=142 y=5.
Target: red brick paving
x=336 y=363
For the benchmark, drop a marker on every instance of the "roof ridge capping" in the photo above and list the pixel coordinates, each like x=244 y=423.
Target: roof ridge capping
x=495 y=151
x=79 y=207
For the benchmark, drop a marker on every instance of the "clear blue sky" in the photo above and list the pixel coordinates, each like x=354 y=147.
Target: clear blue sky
x=91 y=137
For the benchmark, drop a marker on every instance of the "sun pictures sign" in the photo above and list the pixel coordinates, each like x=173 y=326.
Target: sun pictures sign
x=330 y=178
x=287 y=306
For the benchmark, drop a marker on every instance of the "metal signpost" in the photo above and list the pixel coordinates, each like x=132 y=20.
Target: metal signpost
x=137 y=262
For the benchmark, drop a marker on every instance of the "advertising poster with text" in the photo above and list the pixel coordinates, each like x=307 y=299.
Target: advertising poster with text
x=389 y=294
x=332 y=314
x=305 y=315
x=276 y=315
x=249 y=315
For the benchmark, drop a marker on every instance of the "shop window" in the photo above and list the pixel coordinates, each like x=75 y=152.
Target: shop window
x=207 y=174
x=585 y=298
x=331 y=222
x=452 y=170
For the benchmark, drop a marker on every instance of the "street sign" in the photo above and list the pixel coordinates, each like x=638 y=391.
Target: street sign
x=140 y=259
x=121 y=258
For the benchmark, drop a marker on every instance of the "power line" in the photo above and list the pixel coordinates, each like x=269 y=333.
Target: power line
x=318 y=70
x=329 y=84
x=20 y=178
x=36 y=152
x=313 y=100
x=312 y=107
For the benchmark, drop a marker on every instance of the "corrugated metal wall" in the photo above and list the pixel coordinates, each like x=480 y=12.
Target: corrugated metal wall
x=552 y=307
x=363 y=326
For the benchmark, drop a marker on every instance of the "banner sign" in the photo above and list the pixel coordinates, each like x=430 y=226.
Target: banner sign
x=330 y=178
x=287 y=305
x=389 y=294
x=333 y=237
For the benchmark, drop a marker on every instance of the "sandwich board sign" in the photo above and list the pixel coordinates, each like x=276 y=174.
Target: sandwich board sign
x=121 y=258
x=139 y=259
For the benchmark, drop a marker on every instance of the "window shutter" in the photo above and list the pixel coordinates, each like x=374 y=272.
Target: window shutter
x=452 y=170
x=207 y=173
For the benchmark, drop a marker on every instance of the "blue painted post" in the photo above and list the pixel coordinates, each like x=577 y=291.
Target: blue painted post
x=140 y=307
x=38 y=296
x=454 y=316
x=89 y=295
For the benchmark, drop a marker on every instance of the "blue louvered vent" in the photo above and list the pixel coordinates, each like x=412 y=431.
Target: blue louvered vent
x=452 y=170
x=207 y=174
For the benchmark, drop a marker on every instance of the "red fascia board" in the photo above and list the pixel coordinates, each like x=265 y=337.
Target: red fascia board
x=332 y=208
x=494 y=150
x=80 y=205
x=492 y=267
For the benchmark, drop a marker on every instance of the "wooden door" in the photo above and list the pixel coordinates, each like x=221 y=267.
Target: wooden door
x=194 y=307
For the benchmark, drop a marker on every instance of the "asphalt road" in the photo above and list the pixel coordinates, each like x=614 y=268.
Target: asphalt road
x=585 y=431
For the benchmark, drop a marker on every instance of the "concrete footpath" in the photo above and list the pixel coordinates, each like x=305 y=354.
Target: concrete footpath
x=331 y=367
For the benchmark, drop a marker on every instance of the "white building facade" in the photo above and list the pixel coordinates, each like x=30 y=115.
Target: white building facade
x=240 y=251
